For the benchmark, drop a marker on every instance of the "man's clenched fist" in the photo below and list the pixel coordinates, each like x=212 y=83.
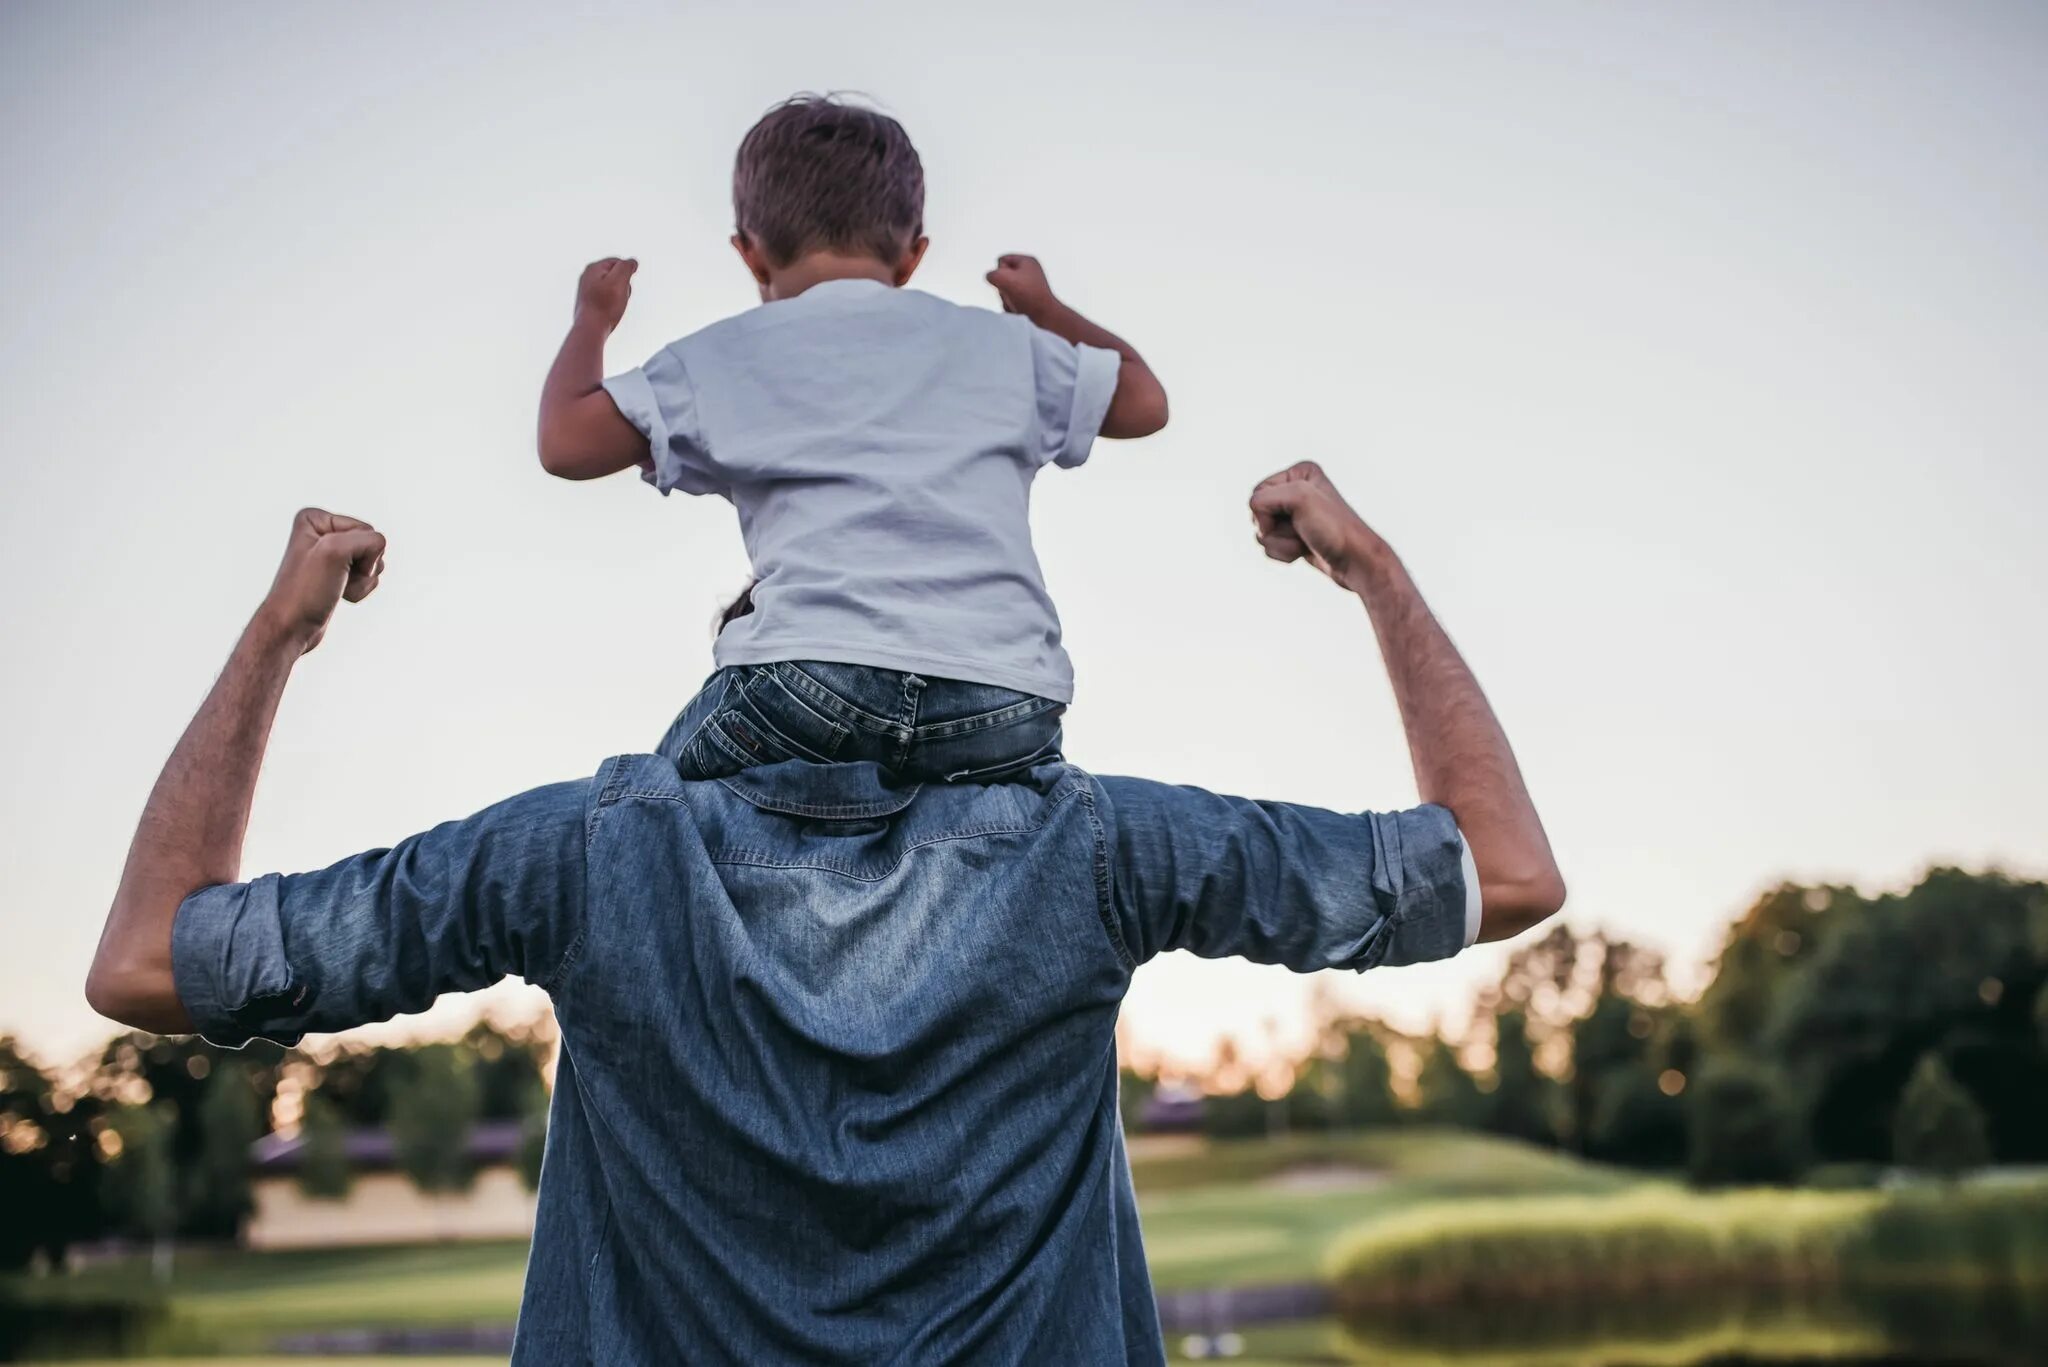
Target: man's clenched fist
x=1299 y=515
x=329 y=557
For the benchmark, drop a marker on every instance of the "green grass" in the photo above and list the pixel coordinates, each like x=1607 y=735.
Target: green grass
x=1212 y=1217
x=1216 y=1218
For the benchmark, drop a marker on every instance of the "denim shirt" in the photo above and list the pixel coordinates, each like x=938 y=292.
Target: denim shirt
x=838 y=1074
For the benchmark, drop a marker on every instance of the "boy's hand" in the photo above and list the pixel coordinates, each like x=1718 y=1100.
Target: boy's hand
x=1020 y=281
x=602 y=293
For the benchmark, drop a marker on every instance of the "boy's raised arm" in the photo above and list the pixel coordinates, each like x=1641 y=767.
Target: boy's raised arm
x=1139 y=407
x=582 y=433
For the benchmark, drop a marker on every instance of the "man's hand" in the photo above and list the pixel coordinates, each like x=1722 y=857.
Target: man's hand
x=329 y=557
x=604 y=291
x=1300 y=515
x=1020 y=282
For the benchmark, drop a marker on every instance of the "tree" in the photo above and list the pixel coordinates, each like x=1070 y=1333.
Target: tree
x=1637 y=1122
x=180 y=1074
x=1311 y=1101
x=1939 y=1128
x=324 y=1171
x=508 y=1069
x=141 y=1188
x=1133 y=1093
x=218 y=1195
x=1766 y=948
x=1236 y=1115
x=361 y=1082
x=1446 y=1093
x=49 y=1171
x=1741 y=1128
x=1950 y=965
x=1365 y=1080
x=533 y=1141
x=1521 y=1105
x=431 y=1116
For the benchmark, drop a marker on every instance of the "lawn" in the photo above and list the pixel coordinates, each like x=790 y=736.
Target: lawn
x=1241 y=1213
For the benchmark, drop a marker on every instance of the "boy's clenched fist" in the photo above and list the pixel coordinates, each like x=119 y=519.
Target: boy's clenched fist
x=605 y=288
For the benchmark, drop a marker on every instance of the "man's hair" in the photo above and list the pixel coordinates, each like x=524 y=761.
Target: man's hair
x=817 y=173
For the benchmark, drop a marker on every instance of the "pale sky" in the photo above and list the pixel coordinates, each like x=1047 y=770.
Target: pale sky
x=1695 y=356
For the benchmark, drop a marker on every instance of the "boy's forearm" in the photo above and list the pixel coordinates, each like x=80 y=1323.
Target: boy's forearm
x=1139 y=408
x=1063 y=321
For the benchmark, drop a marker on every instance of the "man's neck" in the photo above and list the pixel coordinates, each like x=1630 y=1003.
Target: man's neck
x=815 y=268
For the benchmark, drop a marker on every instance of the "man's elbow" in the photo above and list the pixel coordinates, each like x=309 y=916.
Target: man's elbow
x=112 y=992
x=1509 y=908
x=141 y=995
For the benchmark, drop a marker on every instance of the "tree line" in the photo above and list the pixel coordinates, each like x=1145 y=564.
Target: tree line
x=1839 y=1036
x=151 y=1140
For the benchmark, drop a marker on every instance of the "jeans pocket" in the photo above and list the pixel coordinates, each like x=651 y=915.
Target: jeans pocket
x=766 y=721
x=998 y=752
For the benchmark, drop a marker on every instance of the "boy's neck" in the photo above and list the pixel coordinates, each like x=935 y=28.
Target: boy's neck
x=815 y=268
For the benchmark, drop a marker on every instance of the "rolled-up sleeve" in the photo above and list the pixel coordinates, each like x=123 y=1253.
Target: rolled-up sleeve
x=659 y=399
x=1075 y=385
x=453 y=909
x=1282 y=884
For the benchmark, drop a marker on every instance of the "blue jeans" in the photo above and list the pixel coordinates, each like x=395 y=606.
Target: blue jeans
x=926 y=730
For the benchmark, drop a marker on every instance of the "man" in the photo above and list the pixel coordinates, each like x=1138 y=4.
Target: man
x=837 y=1079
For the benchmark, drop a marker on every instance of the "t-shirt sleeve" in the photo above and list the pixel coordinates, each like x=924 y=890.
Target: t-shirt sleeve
x=659 y=399
x=1075 y=384
x=1282 y=884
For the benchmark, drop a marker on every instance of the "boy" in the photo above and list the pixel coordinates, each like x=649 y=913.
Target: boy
x=879 y=445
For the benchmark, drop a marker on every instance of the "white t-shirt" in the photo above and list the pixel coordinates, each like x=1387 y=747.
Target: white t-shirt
x=879 y=445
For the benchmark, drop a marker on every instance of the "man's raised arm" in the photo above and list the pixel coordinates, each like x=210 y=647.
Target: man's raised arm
x=190 y=835
x=1462 y=759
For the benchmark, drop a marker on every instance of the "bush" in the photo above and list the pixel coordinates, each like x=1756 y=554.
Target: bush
x=1984 y=1234
x=1846 y=1176
x=1741 y=1128
x=1938 y=1126
x=1651 y=1238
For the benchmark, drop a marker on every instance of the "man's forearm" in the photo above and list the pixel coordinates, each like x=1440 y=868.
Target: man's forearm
x=190 y=835
x=1462 y=758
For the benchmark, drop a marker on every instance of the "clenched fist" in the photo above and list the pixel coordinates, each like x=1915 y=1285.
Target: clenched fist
x=1020 y=281
x=604 y=290
x=329 y=557
x=1299 y=515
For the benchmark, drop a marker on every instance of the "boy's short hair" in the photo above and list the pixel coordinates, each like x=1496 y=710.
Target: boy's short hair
x=820 y=174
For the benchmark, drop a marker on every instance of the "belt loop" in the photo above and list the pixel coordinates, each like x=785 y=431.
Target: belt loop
x=913 y=688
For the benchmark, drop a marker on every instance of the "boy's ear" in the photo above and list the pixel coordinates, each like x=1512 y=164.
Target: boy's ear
x=906 y=266
x=757 y=264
